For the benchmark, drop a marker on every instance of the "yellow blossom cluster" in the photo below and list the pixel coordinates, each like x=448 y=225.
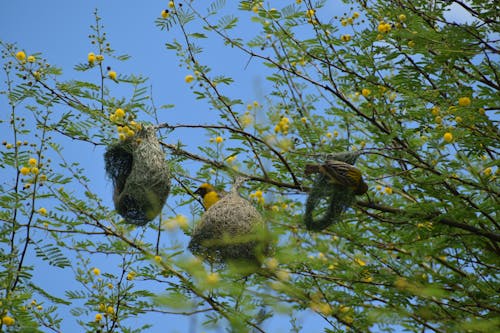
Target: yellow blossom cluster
x=283 y=126
x=92 y=58
x=165 y=14
x=384 y=27
x=258 y=196
x=189 y=78
x=31 y=168
x=8 y=321
x=112 y=75
x=124 y=131
x=464 y=101
x=178 y=221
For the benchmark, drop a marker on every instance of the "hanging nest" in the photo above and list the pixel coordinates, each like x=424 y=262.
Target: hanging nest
x=231 y=230
x=140 y=175
x=327 y=201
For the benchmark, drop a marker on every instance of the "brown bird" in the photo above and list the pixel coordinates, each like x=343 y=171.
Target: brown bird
x=340 y=173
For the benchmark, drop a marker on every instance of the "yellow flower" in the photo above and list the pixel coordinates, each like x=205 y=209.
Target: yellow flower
x=272 y=263
x=481 y=111
x=21 y=56
x=25 y=171
x=487 y=171
x=298 y=2
x=91 y=57
x=255 y=9
x=96 y=271
x=435 y=110
x=366 y=92
x=32 y=161
x=359 y=261
x=122 y=137
x=189 y=78
x=402 y=17
x=102 y=307
x=345 y=38
x=323 y=308
x=219 y=139
x=283 y=275
x=212 y=278
x=171 y=4
x=31 y=59
x=165 y=14
x=8 y=321
x=112 y=75
x=438 y=120
x=335 y=134
x=98 y=317
x=99 y=57
x=343 y=22
x=34 y=170
x=230 y=159
x=411 y=44
x=384 y=27
x=131 y=276
x=310 y=13
x=458 y=119
x=157 y=258
x=448 y=137
x=119 y=113
x=464 y=101
x=130 y=133
x=303 y=120
x=388 y=190
x=42 y=211
x=355 y=15
x=110 y=310
x=110 y=286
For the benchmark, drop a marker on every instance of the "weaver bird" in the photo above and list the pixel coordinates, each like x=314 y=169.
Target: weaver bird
x=208 y=194
x=340 y=173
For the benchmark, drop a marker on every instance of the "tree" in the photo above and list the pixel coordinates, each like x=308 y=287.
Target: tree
x=414 y=92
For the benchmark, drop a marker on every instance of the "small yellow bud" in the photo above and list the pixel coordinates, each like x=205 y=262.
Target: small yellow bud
x=219 y=139
x=98 y=317
x=21 y=56
x=112 y=75
x=96 y=271
x=448 y=137
x=402 y=17
x=31 y=58
x=24 y=171
x=42 y=211
x=189 y=78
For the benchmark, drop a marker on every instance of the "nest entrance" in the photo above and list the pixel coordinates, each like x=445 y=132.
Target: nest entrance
x=140 y=175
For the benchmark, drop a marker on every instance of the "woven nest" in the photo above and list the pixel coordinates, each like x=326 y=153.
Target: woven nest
x=327 y=202
x=230 y=230
x=140 y=175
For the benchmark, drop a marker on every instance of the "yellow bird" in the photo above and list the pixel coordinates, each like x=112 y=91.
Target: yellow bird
x=208 y=194
x=340 y=173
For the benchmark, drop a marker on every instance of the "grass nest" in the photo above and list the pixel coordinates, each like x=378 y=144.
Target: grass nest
x=140 y=175
x=231 y=230
x=327 y=201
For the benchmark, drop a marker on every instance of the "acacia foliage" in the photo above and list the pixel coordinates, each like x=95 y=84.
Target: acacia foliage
x=413 y=89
